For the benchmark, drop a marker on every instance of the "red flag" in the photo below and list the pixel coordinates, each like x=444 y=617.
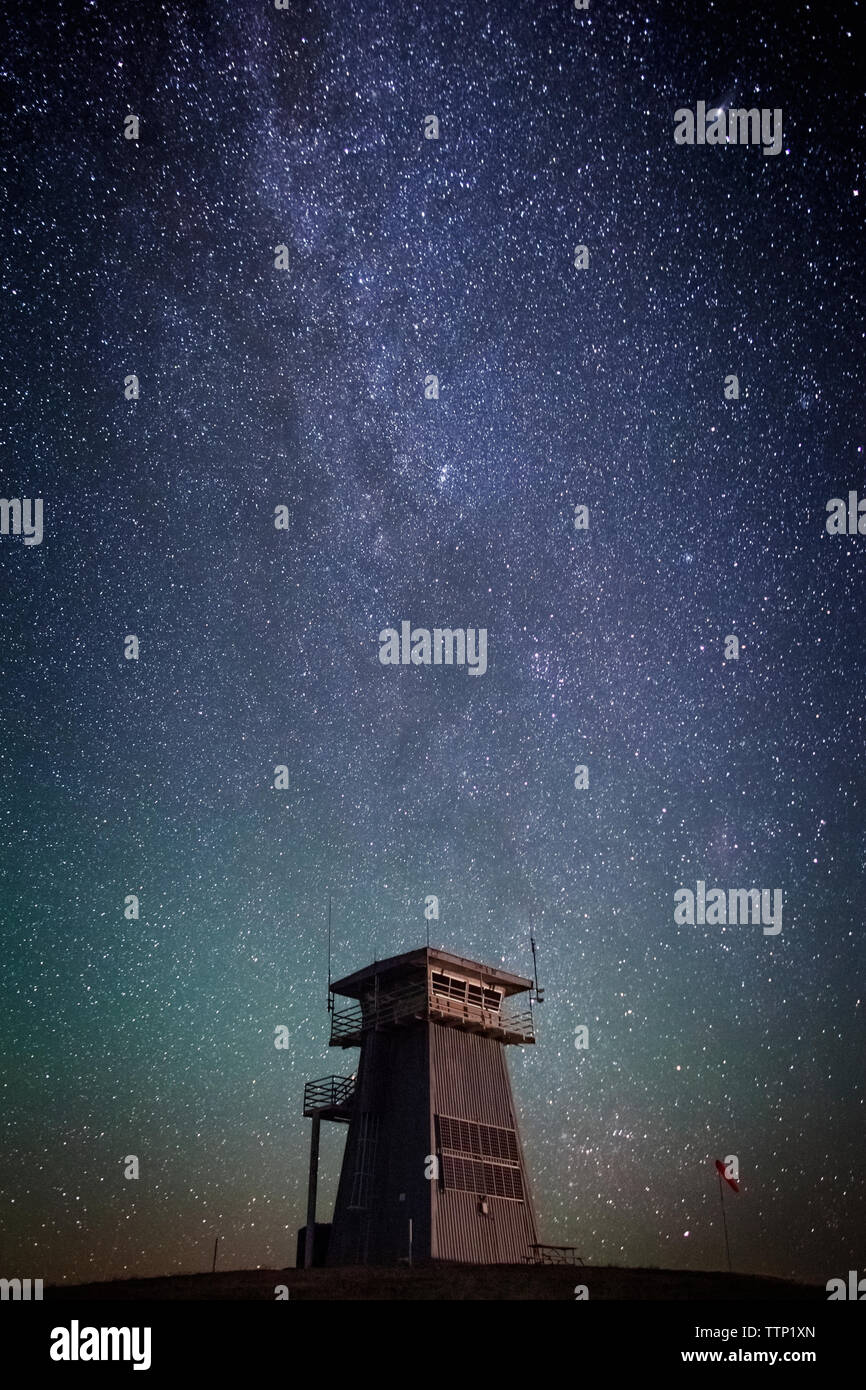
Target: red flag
x=722 y=1174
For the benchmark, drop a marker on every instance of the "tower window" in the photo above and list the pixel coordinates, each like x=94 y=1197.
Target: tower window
x=465 y=991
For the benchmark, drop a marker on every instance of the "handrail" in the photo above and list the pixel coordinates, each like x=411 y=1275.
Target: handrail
x=418 y=1002
x=329 y=1092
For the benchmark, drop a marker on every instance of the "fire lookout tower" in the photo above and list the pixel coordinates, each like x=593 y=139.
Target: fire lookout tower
x=433 y=1166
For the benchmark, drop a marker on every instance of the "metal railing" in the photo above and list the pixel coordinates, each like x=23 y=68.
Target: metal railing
x=378 y=1014
x=510 y=1018
x=417 y=1002
x=345 y=1023
x=328 y=1093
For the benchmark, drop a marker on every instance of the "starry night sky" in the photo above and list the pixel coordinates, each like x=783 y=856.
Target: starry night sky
x=259 y=647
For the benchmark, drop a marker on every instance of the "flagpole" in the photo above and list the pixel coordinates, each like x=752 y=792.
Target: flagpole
x=724 y=1221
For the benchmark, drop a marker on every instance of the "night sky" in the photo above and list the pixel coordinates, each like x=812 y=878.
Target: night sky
x=259 y=647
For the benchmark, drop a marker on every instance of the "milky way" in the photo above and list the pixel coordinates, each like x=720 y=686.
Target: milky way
x=410 y=257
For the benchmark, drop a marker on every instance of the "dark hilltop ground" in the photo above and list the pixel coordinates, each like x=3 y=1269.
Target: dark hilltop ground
x=448 y=1282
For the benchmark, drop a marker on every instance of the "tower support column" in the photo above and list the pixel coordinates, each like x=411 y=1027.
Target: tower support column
x=311 y=1193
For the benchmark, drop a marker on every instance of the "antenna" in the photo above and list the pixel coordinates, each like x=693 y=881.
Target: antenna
x=539 y=993
x=330 y=996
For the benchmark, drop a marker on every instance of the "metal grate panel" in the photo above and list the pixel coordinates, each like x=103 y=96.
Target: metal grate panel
x=480 y=1158
x=487 y=1179
x=477 y=1140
